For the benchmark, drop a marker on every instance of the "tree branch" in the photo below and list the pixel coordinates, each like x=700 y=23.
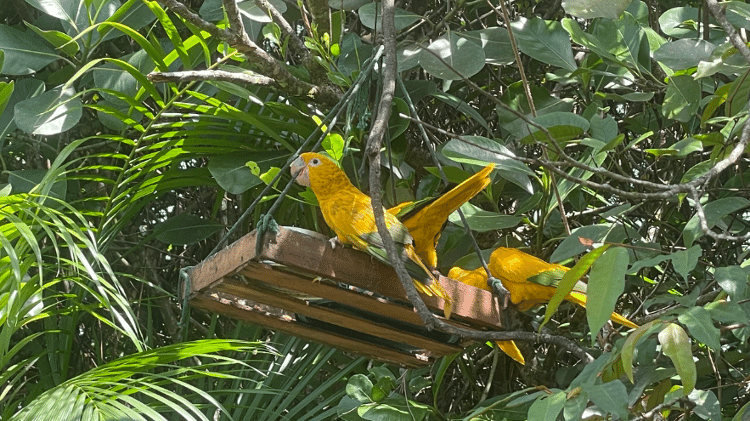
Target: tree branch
x=259 y=60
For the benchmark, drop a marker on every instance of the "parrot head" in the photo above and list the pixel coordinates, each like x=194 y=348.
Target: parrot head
x=313 y=168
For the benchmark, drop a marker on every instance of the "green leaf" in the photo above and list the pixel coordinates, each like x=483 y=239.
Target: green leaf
x=676 y=345
x=628 y=349
x=50 y=113
x=451 y=57
x=684 y=261
x=684 y=53
x=462 y=107
x=733 y=280
x=738 y=14
x=25 y=52
x=743 y=414
x=736 y=101
x=396 y=123
x=589 y=9
x=250 y=10
x=706 y=405
x=480 y=150
x=701 y=327
x=611 y=397
x=58 y=39
x=234 y=172
x=333 y=144
x=562 y=126
x=682 y=98
x=545 y=41
x=606 y=284
x=495 y=43
x=185 y=229
x=685 y=22
x=368 y=13
x=482 y=220
x=570 y=279
x=572 y=244
x=359 y=387
x=547 y=407
x=25 y=181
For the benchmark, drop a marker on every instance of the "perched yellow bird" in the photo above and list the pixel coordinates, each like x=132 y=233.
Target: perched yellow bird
x=425 y=221
x=348 y=212
x=530 y=280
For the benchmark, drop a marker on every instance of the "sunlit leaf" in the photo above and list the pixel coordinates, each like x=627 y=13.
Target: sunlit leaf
x=676 y=345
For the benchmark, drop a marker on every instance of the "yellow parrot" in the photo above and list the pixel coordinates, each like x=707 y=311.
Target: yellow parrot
x=530 y=280
x=425 y=221
x=348 y=212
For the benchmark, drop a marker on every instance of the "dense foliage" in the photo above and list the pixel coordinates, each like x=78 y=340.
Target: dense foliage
x=134 y=134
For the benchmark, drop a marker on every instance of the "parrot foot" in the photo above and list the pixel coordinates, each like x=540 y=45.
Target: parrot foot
x=334 y=241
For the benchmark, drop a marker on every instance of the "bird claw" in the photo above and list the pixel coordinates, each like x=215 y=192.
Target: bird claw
x=334 y=241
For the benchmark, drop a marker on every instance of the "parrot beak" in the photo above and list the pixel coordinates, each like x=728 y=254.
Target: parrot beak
x=303 y=176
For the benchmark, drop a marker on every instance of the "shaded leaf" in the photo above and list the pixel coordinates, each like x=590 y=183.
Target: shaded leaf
x=611 y=397
x=370 y=11
x=714 y=212
x=628 y=349
x=547 y=407
x=684 y=261
x=495 y=43
x=482 y=220
x=701 y=327
x=24 y=52
x=682 y=98
x=589 y=9
x=185 y=229
x=684 y=53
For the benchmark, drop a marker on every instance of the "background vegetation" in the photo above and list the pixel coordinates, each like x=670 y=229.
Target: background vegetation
x=134 y=133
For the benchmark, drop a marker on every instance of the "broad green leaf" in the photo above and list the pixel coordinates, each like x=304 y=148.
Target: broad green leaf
x=545 y=41
x=736 y=101
x=706 y=404
x=238 y=172
x=684 y=22
x=611 y=397
x=589 y=9
x=110 y=76
x=185 y=229
x=628 y=349
x=451 y=57
x=743 y=414
x=682 y=98
x=738 y=14
x=396 y=124
x=462 y=107
x=622 y=38
x=370 y=11
x=495 y=43
x=733 y=280
x=684 y=261
x=714 y=212
x=394 y=409
x=347 y=4
x=482 y=220
x=701 y=327
x=50 y=113
x=606 y=284
x=407 y=57
x=333 y=144
x=359 y=387
x=547 y=407
x=675 y=344
x=59 y=40
x=562 y=126
x=684 y=53
x=24 y=52
x=250 y=10
x=570 y=279
x=480 y=150
x=24 y=181
x=572 y=245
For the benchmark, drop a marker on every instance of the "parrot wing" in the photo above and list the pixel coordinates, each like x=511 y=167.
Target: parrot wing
x=425 y=219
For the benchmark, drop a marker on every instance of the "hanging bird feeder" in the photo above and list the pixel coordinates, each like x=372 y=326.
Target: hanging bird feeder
x=337 y=296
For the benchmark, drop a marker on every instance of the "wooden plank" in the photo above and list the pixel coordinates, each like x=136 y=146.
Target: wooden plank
x=242 y=289
x=226 y=261
x=289 y=325
x=296 y=248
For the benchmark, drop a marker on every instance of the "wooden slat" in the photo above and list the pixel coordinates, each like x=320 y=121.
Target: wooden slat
x=246 y=290
x=366 y=349
x=294 y=248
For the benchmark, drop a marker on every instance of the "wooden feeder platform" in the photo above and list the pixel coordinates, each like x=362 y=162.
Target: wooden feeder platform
x=340 y=297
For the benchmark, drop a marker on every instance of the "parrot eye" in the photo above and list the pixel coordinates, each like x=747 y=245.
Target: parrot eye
x=315 y=161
